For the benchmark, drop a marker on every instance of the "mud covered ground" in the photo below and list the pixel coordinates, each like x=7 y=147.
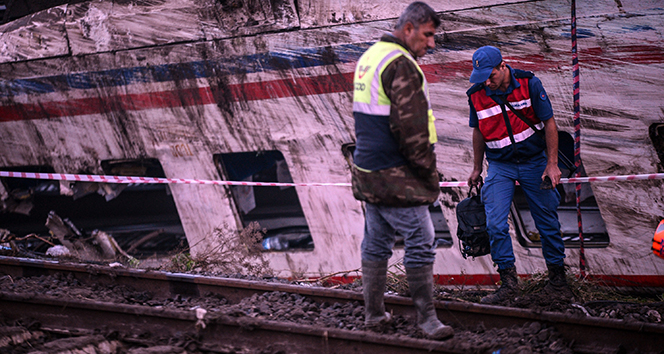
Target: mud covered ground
x=278 y=306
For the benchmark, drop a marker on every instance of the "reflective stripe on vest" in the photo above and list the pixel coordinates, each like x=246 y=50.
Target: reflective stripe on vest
x=491 y=121
x=658 y=240
x=369 y=96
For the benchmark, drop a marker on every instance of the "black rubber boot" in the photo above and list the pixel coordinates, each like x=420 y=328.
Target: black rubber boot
x=420 y=282
x=508 y=288
x=557 y=285
x=374 y=276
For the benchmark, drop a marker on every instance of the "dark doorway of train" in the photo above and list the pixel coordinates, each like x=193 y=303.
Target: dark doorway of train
x=276 y=209
x=142 y=218
x=595 y=234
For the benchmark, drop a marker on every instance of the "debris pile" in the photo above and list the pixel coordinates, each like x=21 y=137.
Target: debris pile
x=68 y=242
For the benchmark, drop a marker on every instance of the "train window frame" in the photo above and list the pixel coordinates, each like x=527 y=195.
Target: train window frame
x=153 y=238
x=277 y=210
x=656 y=134
x=595 y=234
x=443 y=235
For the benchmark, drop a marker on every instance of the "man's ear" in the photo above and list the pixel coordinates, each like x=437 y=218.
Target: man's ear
x=408 y=28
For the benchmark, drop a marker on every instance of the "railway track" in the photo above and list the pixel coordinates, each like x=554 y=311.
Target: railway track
x=216 y=332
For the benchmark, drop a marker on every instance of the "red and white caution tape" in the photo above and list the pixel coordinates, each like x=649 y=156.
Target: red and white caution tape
x=612 y=178
x=152 y=180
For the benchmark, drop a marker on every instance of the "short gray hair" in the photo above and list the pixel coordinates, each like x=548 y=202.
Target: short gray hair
x=418 y=13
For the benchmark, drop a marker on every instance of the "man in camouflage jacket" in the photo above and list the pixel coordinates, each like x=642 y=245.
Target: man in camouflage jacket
x=394 y=159
x=394 y=169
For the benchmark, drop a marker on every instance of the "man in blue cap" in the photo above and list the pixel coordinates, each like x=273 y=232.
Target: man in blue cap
x=515 y=152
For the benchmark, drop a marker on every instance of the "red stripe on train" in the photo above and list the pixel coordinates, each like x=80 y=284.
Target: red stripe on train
x=180 y=98
x=293 y=87
x=254 y=91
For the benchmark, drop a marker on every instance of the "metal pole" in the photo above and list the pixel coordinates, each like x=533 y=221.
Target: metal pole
x=577 y=139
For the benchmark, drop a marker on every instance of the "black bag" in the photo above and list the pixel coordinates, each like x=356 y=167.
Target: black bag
x=472 y=234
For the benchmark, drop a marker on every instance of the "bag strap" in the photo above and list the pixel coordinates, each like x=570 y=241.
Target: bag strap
x=507 y=125
x=478 y=188
x=569 y=164
x=504 y=103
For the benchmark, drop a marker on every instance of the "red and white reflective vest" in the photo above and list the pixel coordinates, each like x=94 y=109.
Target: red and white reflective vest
x=491 y=120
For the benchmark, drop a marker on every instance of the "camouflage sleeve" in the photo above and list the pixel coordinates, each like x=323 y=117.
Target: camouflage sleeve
x=402 y=83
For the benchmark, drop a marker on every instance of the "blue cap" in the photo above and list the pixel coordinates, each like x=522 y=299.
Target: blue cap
x=484 y=60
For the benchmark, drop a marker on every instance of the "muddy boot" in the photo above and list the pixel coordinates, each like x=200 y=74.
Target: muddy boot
x=508 y=288
x=374 y=276
x=420 y=282
x=557 y=285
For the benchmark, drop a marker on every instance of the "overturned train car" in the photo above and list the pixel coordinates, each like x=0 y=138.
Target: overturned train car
x=261 y=91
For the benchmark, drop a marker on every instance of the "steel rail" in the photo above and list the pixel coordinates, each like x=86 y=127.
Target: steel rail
x=586 y=332
x=220 y=331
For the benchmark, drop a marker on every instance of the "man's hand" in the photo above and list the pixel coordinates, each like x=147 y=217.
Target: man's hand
x=553 y=172
x=474 y=178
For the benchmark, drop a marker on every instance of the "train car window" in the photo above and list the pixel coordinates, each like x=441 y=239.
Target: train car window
x=14 y=9
x=443 y=237
x=275 y=209
x=142 y=218
x=656 y=132
x=594 y=229
x=19 y=194
x=148 y=222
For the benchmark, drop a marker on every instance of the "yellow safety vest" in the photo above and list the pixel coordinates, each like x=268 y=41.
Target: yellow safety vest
x=369 y=96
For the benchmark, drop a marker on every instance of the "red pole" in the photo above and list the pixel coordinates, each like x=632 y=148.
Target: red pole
x=577 y=139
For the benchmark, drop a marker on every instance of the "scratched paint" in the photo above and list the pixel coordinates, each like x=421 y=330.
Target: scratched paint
x=273 y=77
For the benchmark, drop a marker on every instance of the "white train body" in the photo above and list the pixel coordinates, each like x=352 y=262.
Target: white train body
x=188 y=82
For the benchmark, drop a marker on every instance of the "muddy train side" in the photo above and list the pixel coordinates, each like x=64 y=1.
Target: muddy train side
x=262 y=92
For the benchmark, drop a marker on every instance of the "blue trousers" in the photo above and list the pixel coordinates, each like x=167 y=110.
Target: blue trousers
x=497 y=194
x=413 y=223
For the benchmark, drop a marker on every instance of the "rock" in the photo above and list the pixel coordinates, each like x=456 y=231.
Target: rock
x=58 y=251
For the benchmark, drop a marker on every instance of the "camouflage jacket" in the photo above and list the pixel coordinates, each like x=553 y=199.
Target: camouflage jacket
x=415 y=182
